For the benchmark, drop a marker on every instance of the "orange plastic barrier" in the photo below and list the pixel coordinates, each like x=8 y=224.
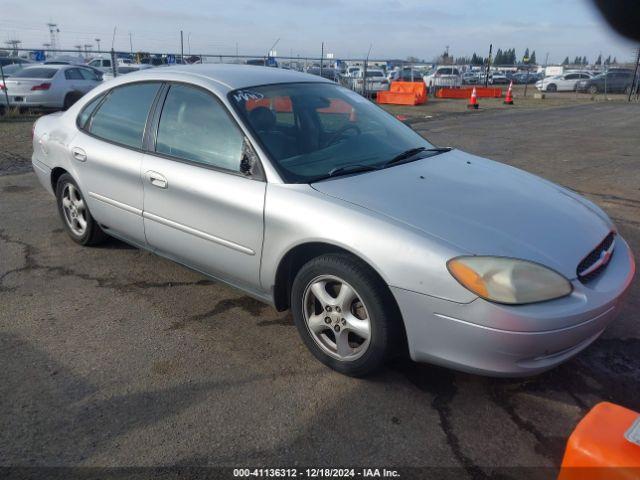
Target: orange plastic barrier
x=279 y=104
x=598 y=449
x=481 y=92
x=404 y=93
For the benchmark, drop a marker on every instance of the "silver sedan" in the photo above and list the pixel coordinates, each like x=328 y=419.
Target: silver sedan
x=49 y=86
x=307 y=196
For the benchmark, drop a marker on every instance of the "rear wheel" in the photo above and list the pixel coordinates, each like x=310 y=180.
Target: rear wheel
x=75 y=215
x=593 y=89
x=345 y=314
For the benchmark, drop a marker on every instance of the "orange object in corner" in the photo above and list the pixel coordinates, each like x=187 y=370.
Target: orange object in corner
x=598 y=450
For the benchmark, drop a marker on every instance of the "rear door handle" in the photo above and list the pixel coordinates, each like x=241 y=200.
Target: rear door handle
x=156 y=179
x=79 y=154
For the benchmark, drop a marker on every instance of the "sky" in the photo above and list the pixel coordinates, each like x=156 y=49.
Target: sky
x=393 y=28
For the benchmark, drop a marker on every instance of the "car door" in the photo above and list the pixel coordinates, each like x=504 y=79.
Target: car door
x=107 y=155
x=199 y=209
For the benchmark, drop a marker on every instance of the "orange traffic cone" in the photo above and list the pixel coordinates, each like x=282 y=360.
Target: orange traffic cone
x=509 y=98
x=473 y=100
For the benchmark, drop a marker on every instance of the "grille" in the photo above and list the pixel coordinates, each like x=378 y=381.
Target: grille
x=597 y=260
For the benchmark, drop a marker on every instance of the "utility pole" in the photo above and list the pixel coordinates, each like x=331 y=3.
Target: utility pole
x=14 y=44
x=130 y=44
x=98 y=42
x=189 y=43
x=53 y=30
x=181 y=47
x=486 y=75
x=321 y=57
x=635 y=77
x=364 y=72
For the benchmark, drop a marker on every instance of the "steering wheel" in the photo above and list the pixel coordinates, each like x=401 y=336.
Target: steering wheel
x=337 y=136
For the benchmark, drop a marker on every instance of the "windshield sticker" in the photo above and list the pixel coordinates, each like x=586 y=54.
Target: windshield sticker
x=245 y=95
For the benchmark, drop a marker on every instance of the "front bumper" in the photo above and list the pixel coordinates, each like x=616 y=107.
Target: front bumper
x=503 y=340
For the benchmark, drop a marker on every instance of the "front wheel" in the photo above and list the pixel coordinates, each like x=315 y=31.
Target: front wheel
x=593 y=89
x=75 y=215
x=345 y=315
x=552 y=87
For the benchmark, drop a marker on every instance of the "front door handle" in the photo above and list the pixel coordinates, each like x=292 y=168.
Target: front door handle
x=79 y=154
x=156 y=179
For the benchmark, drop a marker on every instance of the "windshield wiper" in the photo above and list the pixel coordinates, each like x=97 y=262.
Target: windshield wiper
x=346 y=170
x=412 y=152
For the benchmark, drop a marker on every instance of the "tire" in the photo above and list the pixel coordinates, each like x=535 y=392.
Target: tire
x=323 y=329
x=593 y=89
x=552 y=87
x=74 y=215
x=69 y=99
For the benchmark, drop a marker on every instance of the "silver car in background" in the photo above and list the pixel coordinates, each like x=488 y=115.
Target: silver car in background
x=49 y=86
x=309 y=197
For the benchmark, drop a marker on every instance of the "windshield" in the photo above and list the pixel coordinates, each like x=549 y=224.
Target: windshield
x=36 y=72
x=374 y=73
x=311 y=129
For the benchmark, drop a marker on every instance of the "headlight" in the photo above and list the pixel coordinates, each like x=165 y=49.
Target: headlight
x=508 y=280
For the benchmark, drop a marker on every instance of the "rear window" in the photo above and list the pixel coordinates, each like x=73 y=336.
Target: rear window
x=35 y=72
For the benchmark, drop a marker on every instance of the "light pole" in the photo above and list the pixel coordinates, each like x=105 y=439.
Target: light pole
x=98 y=42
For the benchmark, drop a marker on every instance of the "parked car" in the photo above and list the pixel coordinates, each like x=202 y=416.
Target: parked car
x=327 y=72
x=50 y=86
x=124 y=69
x=522 y=78
x=376 y=80
x=562 y=83
x=444 y=77
x=498 y=78
x=405 y=75
x=12 y=69
x=102 y=64
x=306 y=196
x=14 y=61
x=615 y=81
x=470 y=78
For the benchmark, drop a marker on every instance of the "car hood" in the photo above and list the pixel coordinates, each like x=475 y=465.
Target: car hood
x=481 y=207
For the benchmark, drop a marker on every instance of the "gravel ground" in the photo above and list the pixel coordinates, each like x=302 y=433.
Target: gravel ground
x=114 y=357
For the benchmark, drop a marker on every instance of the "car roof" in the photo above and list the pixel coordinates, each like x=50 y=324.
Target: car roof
x=225 y=77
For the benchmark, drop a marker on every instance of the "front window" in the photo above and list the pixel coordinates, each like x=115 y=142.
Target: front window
x=311 y=129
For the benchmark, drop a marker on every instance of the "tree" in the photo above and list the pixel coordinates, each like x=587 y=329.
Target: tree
x=577 y=61
x=585 y=61
x=599 y=60
x=608 y=60
x=525 y=57
x=615 y=61
x=565 y=61
x=532 y=61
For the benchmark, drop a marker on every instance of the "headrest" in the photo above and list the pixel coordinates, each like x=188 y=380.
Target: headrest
x=262 y=119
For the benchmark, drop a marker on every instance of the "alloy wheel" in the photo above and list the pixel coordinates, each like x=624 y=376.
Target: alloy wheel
x=75 y=212
x=337 y=318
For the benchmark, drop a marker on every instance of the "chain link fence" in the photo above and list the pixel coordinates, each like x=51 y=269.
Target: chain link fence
x=365 y=76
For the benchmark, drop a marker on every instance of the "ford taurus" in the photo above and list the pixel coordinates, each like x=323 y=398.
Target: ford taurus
x=308 y=196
